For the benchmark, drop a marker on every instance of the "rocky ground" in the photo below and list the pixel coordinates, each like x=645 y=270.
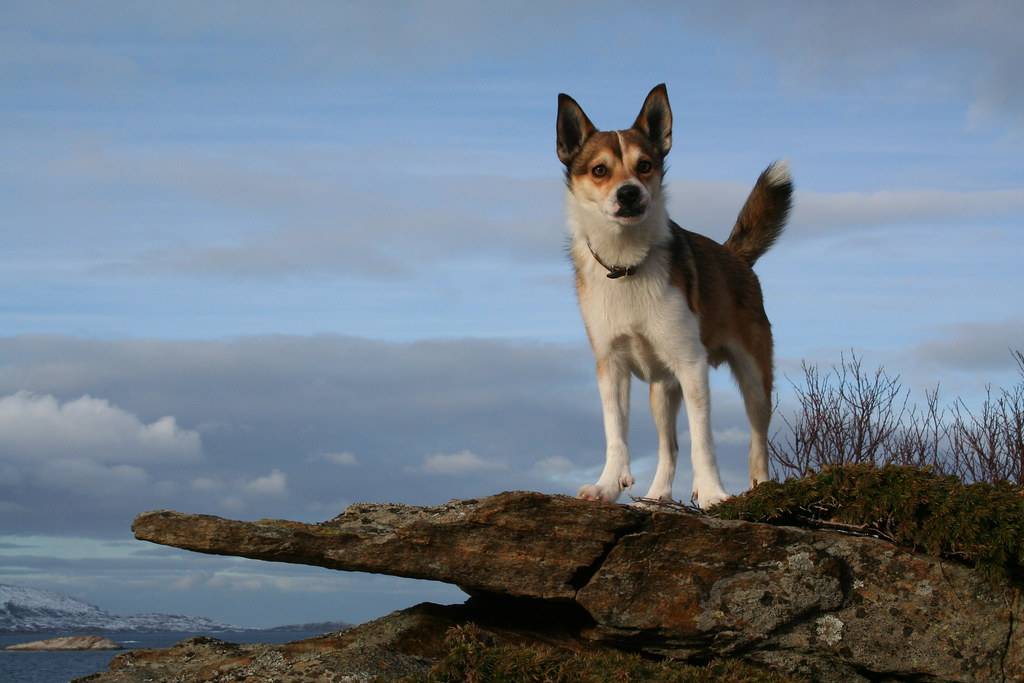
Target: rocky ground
x=582 y=576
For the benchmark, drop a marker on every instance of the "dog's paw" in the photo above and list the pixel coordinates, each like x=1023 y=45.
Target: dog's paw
x=614 y=480
x=608 y=493
x=708 y=495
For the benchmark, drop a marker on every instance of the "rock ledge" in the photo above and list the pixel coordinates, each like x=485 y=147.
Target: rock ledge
x=820 y=604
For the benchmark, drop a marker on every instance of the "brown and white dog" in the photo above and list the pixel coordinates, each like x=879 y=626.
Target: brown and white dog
x=664 y=303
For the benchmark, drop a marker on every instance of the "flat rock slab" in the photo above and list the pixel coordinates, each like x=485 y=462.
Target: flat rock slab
x=521 y=544
x=830 y=606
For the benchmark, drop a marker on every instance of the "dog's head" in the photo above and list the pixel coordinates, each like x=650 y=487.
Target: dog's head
x=616 y=174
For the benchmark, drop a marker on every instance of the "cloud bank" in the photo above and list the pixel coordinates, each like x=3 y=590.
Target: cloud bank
x=39 y=427
x=86 y=447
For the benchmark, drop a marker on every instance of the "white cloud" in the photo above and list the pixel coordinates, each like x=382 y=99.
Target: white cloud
x=554 y=467
x=345 y=458
x=236 y=494
x=902 y=207
x=242 y=580
x=974 y=346
x=733 y=436
x=39 y=427
x=273 y=484
x=87 y=445
x=535 y=229
x=190 y=581
x=711 y=207
x=458 y=463
x=730 y=436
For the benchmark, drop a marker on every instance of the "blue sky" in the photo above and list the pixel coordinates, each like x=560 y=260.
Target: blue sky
x=325 y=242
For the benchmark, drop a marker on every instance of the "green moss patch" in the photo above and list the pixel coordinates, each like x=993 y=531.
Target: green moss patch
x=981 y=524
x=473 y=657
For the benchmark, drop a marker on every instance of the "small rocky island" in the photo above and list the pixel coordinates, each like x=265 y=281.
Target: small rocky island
x=568 y=575
x=68 y=643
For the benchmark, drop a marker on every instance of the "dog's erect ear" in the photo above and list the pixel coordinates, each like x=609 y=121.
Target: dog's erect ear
x=655 y=119
x=572 y=128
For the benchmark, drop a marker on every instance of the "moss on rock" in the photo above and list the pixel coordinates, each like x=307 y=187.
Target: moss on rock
x=981 y=524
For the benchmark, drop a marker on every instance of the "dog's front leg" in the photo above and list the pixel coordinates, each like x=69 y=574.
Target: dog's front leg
x=613 y=383
x=666 y=395
x=693 y=378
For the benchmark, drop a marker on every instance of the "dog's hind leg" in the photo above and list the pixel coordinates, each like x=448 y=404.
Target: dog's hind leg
x=666 y=397
x=613 y=382
x=753 y=374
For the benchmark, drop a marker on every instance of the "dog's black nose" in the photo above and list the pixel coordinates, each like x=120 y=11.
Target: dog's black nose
x=628 y=195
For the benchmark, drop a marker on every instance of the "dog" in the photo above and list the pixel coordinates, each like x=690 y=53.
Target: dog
x=661 y=302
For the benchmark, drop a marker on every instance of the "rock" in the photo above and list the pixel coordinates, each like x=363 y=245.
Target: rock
x=402 y=643
x=69 y=643
x=525 y=544
x=829 y=606
x=816 y=603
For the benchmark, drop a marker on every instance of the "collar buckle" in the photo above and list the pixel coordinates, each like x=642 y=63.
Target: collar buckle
x=614 y=272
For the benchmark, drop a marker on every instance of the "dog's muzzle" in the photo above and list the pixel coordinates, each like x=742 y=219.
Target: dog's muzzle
x=630 y=198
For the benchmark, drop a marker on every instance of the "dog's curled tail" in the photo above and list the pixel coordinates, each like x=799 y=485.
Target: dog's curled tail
x=763 y=216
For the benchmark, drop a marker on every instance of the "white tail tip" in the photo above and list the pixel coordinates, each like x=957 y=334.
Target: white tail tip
x=778 y=173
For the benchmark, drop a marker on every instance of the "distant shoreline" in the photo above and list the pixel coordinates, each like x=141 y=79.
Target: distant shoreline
x=325 y=626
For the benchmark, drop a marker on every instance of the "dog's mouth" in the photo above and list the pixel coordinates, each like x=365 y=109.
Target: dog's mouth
x=631 y=211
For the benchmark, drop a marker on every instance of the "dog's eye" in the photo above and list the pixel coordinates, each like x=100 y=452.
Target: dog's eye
x=599 y=171
x=644 y=166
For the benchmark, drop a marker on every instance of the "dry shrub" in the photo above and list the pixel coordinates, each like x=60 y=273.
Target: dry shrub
x=850 y=416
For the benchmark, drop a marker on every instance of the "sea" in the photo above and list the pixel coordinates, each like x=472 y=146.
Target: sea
x=60 y=667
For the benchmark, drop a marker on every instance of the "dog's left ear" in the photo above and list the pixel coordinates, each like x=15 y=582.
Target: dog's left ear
x=655 y=119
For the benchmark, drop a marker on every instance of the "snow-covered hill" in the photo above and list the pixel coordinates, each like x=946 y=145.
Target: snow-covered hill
x=31 y=609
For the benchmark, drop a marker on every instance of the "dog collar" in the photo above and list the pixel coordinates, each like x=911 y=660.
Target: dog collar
x=614 y=272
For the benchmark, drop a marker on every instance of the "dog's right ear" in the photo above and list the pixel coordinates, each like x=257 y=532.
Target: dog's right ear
x=572 y=128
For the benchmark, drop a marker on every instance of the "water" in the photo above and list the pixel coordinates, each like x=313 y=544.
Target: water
x=60 y=667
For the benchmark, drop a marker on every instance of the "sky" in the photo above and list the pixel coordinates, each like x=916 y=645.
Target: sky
x=269 y=259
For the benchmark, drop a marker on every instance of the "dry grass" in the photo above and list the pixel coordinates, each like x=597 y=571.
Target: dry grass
x=474 y=658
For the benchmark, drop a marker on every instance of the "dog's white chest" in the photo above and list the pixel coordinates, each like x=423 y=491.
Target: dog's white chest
x=642 y=320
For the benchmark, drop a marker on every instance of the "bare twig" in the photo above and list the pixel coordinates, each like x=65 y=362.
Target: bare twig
x=673 y=505
x=852 y=529
x=848 y=415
